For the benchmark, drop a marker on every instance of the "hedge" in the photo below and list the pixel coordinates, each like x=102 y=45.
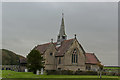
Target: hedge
x=69 y=72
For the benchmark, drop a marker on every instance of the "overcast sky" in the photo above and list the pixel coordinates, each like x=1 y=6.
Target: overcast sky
x=26 y=25
x=60 y=0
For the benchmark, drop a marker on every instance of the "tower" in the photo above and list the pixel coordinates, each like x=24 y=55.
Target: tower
x=61 y=36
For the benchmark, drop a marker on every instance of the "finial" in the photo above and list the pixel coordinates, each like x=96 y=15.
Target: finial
x=51 y=40
x=75 y=36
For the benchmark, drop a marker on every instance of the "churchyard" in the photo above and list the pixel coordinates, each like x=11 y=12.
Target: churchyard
x=13 y=74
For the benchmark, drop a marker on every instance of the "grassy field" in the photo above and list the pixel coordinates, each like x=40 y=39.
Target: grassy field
x=0 y=74
x=111 y=67
x=12 y=74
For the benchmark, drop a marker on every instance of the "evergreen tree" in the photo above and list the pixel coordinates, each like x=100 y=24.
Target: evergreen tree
x=35 y=61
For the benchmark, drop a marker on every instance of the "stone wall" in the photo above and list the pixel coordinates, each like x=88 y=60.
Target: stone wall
x=11 y=67
x=66 y=60
x=52 y=62
x=49 y=56
x=17 y=68
x=92 y=67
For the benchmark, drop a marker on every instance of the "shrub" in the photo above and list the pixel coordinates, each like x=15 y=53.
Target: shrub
x=69 y=72
x=59 y=72
x=85 y=73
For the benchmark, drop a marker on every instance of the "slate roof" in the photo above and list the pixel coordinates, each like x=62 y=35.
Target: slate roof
x=42 y=47
x=91 y=58
x=65 y=45
x=61 y=49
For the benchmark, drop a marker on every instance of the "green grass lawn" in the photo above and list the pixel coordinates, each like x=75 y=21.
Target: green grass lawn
x=0 y=73
x=13 y=74
x=111 y=67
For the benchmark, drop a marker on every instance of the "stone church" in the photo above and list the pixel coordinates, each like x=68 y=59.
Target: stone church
x=67 y=54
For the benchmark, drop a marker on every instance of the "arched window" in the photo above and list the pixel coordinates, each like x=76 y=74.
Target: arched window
x=59 y=60
x=74 y=56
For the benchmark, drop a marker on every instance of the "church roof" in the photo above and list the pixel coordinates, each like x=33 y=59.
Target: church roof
x=64 y=47
x=91 y=58
x=61 y=49
x=42 y=48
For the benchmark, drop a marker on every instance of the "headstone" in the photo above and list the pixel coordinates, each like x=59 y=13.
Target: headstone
x=26 y=70
x=41 y=71
x=37 y=73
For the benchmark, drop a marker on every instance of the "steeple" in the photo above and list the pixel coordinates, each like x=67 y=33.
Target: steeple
x=62 y=36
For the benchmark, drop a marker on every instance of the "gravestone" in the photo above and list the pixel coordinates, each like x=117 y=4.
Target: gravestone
x=26 y=70
x=37 y=73
x=41 y=71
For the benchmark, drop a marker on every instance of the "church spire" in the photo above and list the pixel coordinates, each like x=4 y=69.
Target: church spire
x=62 y=36
x=62 y=28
